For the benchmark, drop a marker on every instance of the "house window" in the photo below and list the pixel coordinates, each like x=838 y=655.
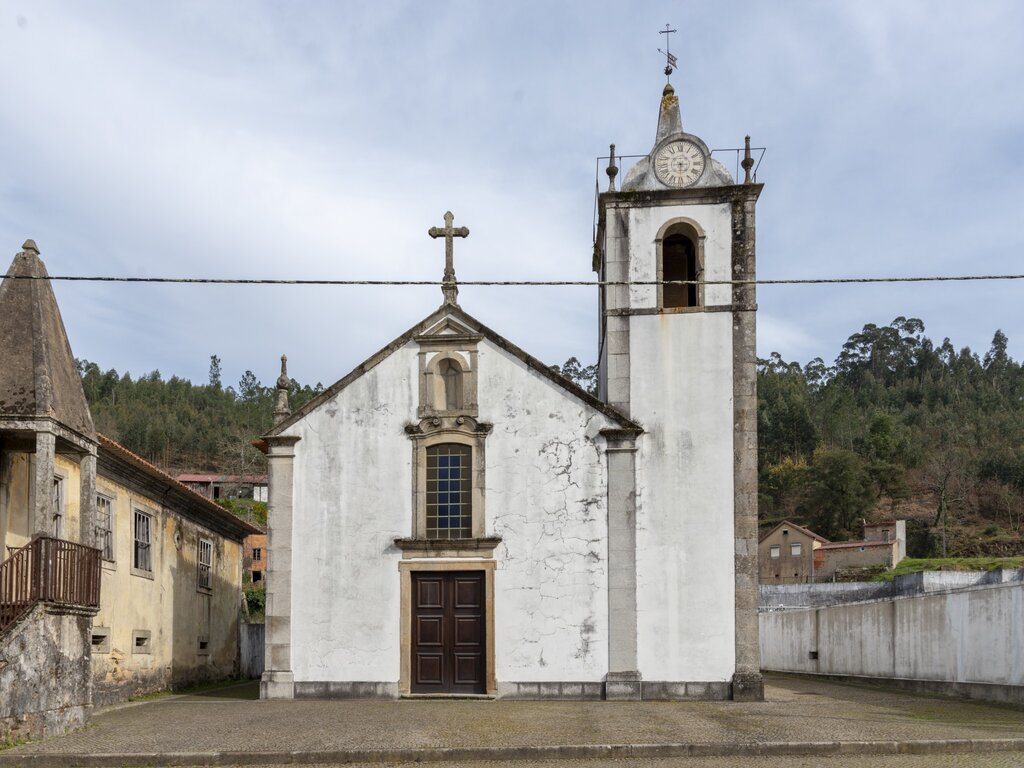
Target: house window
x=773 y=551
x=795 y=549
x=141 y=641
x=143 y=535
x=257 y=553
x=257 y=576
x=451 y=374
x=449 y=492
x=58 y=507
x=205 y=575
x=885 y=535
x=105 y=526
x=100 y=640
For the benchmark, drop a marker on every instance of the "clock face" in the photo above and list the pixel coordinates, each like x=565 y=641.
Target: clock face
x=679 y=164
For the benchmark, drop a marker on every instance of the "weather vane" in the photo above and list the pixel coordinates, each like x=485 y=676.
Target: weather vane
x=670 y=60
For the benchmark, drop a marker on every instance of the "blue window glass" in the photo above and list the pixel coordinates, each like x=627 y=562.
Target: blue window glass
x=449 y=492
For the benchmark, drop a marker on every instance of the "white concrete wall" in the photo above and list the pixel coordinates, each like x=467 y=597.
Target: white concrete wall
x=973 y=635
x=681 y=379
x=545 y=496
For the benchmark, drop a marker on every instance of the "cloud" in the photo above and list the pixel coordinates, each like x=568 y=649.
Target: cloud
x=322 y=140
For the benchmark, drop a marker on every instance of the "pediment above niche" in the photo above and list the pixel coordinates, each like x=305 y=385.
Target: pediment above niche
x=433 y=425
x=449 y=331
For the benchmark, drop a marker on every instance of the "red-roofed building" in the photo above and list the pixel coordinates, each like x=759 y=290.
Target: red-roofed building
x=215 y=487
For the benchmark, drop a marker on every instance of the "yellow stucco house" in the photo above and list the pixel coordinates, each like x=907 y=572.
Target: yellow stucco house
x=115 y=579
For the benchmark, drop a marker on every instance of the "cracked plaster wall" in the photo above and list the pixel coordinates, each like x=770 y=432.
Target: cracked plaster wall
x=681 y=381
x=547 y=499
x=545 y=496
x=353 y=497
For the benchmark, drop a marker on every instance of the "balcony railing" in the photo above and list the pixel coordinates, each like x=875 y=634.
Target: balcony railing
x=48 y=570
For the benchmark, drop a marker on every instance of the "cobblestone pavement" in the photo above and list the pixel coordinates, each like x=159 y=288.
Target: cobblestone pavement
x=796 y=710
x=996 y=760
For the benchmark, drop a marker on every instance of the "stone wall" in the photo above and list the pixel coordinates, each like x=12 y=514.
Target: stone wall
x=45 y=676
x=965 y=642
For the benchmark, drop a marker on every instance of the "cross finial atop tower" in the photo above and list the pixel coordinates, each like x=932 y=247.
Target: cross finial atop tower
x=449 y=287
x=670 y=60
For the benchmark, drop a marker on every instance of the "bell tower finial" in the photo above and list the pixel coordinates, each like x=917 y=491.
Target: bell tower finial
x=281 y=408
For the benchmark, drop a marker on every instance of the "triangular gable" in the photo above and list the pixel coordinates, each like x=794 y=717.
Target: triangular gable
x=794 y=526
x=452 y=321
x=449 y=327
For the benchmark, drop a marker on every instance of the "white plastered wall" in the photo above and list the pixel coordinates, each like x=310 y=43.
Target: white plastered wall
x=547 y=499
x=545 y=496
x=681 y=378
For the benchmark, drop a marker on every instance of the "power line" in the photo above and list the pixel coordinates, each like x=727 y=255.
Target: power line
x=282 y=281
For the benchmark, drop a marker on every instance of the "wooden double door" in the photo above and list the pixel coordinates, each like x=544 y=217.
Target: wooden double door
x=448 y=643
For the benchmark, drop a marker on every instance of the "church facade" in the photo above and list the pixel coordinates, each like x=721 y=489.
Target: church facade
x=454 y=518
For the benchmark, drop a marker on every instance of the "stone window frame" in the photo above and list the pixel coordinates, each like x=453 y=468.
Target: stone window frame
x=796 y=549
x=203 y=645
x=140 y=509
x=204 y=567
x=774 y=551
x=110 y=498
x=696 y=233
x=142 y=642
x=103 y=646
x=461 y=430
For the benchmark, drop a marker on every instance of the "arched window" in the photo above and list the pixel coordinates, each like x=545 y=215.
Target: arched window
x=451 y=375
x=449 y=491
x=679 y=262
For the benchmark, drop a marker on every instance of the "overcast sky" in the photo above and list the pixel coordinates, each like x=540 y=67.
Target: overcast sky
x=322 y=139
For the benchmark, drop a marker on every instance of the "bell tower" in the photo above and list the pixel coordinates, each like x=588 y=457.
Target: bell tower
x=677 y=355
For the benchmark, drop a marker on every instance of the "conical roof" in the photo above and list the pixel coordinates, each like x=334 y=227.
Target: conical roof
x=38 y=375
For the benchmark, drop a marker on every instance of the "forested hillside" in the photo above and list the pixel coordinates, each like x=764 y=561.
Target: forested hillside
x=897 y=426
x=181 y=426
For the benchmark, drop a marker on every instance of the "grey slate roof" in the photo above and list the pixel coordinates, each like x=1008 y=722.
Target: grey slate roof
x=38 y=375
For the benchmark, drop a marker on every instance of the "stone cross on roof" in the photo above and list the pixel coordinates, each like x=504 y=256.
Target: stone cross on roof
x=449 y=287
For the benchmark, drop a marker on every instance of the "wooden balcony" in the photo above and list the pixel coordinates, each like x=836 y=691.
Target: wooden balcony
x=48 y=570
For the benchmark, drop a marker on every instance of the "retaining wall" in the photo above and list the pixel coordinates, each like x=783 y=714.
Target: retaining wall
x=965 y=642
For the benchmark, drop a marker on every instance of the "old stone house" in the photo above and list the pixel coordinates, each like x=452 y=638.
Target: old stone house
x=786 y=554
x=452 y=517
x=115 y=579
x=792 y=554
x=254 y=557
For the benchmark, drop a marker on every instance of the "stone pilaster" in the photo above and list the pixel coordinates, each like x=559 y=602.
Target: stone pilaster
x=623 y=679
x=87 y=500
x=43 y=468
x=617 y=298
x=278 y=681
x=747 y=683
